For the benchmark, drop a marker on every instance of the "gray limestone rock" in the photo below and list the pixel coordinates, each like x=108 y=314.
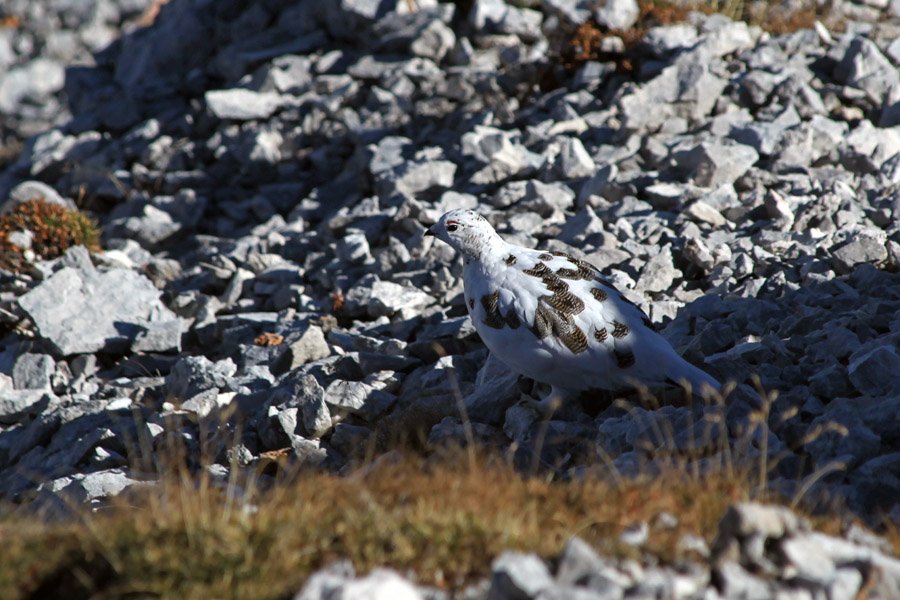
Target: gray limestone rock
x=353 y=248
x=33 y=371
x=659 y=272
x=704 y=213
x=737 y=582
x=875 y=371
x=309 y=347
x=579 y=561
x=863 y=66
x=386 y=298
x=667 y=38
x=18 y=404
x=194 y=374
x=159 y=336
x=712 y=164
x=337 y=583
x=243 y=105
x=324 y=583
x=617 y=14
x=30 y=82
x=434 y=42
x=867 y=147
x=502 y=155
x=573 y=161
x=413 y=177
x=310 y=397
x=104 y=310
x=357 y=398
x=93 y=486
x=863 y=246
x=686 y=89
x=517 y=575
x=583 y=224
x=496 y=389
x=34 y=190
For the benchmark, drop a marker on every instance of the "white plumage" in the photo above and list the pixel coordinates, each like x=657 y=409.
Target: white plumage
x=553 y=318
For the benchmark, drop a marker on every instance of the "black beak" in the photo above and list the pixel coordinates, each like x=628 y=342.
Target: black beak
x=430 y=232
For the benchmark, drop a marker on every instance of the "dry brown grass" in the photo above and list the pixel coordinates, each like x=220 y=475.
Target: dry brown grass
x=443 y=518
x=440 y=519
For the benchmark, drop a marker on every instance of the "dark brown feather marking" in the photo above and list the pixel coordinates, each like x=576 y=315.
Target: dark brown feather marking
x=512 y=319
x=575 y=340
x=568 y=273
x=624 y=359
x=555 y=284
x=620 y=330
x=601 y=334
x=549 y=320
x=587 y=270
x=599 y=295
x=545 y=256
x=565 y=302
x=539 y=270
x=542 y=317
x=492 y=317
x=510 y=260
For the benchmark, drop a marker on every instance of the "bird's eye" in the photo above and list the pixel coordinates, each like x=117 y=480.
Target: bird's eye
x=451 y=227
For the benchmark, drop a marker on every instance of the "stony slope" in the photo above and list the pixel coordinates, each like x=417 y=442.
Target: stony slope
x=263 y=174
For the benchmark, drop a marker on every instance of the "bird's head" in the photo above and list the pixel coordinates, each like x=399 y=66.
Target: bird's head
x=466 y=231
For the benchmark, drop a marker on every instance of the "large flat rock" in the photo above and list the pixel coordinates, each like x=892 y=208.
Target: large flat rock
x=87 y=310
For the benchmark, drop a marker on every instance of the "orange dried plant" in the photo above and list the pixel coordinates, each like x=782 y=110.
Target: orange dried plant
x=54 y=228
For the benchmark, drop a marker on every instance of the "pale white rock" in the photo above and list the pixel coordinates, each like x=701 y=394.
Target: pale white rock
x=552 y=317
x=242 y=105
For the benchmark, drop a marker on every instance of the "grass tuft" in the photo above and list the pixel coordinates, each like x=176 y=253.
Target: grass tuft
x=55 y=229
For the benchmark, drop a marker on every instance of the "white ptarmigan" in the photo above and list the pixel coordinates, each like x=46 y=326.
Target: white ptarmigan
x=552 y=317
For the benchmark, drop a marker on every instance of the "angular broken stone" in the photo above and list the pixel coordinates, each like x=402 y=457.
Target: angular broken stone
x=386 y=298
x=104 y=310
x=356 y=397
x=194 y=374
x=573 y=161
x=33 y=371
x=875 y=371
x=863 y=246
x=865 y=67
x=311 y=346
x=617 y=14
x=517 y=575
x=686 y=89
x=309 y=396
x=712 y=164
x=242 y=104
x=659 y=272
x=18 y=404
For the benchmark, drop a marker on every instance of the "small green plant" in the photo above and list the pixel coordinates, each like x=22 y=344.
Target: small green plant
x=54 y=228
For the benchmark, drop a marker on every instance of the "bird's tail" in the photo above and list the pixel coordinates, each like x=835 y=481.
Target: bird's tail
x=698 y=379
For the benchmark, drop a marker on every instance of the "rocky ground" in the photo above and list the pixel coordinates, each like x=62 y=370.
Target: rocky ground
x=263 y=173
